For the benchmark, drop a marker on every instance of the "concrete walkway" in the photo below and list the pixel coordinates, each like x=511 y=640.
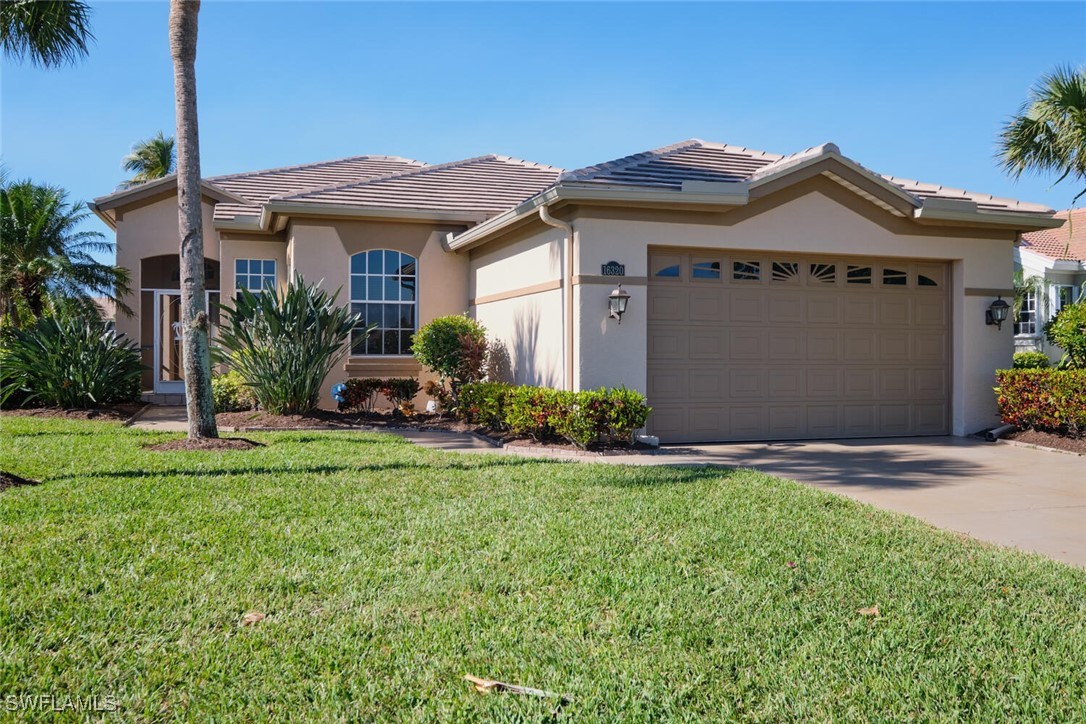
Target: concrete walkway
x=162 y=418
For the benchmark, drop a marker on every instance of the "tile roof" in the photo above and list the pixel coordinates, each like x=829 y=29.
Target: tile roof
x=487 y=184
x=668 y=167
x=259 y=186
x=1065 y=242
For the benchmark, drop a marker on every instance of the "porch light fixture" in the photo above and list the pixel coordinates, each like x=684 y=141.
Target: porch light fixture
x=616 y=303
x=996 y=313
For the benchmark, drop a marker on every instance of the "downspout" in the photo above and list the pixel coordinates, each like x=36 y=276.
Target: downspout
x=567 y=287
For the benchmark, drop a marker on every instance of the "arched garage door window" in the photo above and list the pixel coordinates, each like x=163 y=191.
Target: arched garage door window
x=384 y=286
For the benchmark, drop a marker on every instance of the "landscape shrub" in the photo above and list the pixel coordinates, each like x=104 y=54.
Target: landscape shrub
x=484 y=403
x=1045 y=399
x=230 y=393
x=283 y=344
x=1068 y=330
x=400 y=391
x=70 y=362
x=440 y=394
x=361 y=394
x=454 y=348
x=581 y=418
x=1031 y=361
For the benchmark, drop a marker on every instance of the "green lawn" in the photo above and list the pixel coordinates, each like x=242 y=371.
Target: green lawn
x=387 y=572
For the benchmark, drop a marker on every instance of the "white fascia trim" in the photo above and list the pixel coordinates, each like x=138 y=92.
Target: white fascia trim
x=1022 y=221
x=376 y=212
x=696 y=194
x=251 y=223
x=790 y=168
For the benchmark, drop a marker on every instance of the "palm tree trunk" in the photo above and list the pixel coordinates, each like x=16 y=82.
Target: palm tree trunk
x=195 y=353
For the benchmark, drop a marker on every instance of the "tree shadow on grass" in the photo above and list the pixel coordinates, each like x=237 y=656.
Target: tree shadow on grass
x=248 y=471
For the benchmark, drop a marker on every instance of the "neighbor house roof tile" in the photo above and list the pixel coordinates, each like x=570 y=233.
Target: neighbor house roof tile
x=488 y=184
x=1064 y=242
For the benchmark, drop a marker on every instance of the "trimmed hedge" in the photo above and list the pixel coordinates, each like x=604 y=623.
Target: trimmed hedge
x=1031 y=361
x=1045 y=399
x=582 y=418
x=231 y=394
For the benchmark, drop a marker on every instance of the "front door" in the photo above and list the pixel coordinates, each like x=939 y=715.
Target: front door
x=169 y=370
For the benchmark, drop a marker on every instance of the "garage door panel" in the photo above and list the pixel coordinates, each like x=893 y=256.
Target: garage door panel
x=823 y=345
x=746 y=306
x=746 y=345
x=838 y=349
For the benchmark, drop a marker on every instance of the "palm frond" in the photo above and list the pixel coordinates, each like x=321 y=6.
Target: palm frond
x=48 y=32
x=150 y=159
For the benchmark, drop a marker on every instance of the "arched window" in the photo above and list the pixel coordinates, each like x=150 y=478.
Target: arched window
x=384 y=292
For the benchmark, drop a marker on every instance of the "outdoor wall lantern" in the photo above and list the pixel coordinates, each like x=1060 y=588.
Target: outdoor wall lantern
x=997 y=313
x=616 y=303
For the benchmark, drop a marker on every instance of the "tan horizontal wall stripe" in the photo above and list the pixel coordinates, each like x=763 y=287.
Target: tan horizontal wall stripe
x=514 y=293
x=978 y=292
x=597 y=279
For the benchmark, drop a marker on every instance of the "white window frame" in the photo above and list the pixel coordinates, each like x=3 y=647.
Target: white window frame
x=361 y=303
x=265 y=278
x=1028 y=315
x=1057 y=302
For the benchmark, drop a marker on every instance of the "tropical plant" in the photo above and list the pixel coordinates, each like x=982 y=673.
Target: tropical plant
x=454 y=348
x=231 y=394
x=49 y=32
x=46 y=262
x=360 y=393
x=195 y=323
x=400 y=391
x=151 y=159
x=1024 y=285
x=1068 y=331
x=284 y=344
x=70 y=362
x=1048 y=135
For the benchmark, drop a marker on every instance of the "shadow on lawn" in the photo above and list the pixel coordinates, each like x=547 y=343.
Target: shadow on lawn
x=297 y=470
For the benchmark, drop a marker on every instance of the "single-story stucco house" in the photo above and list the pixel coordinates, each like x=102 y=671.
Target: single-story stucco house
x=771 y=297
x=1056 y=259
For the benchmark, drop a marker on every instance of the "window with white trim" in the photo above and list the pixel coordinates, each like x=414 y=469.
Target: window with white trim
x=1063 y=295
x=1026 y=324
x=384 y=287
x=254 y=274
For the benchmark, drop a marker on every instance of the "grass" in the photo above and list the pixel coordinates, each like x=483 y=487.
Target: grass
x=387 y=572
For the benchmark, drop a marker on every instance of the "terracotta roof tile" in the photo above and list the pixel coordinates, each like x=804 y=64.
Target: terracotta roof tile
x=1065 y=242
x=489 y=184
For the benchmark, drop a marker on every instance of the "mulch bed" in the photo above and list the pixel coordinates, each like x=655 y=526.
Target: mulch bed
x=109 y=412
x=1049 y=439
x=205 y=443
x=11 y=480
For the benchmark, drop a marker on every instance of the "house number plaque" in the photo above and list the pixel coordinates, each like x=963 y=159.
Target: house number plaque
x=613 y=269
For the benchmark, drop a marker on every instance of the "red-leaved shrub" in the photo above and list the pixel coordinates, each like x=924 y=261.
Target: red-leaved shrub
x=1045 y=399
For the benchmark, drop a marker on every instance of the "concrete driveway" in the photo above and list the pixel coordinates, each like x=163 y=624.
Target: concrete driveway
x=1007 y=494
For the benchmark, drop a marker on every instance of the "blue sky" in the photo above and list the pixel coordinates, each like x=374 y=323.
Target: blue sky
x=916 y=90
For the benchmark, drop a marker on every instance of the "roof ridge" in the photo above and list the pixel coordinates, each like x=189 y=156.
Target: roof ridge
x=937 y=189
x=318 y=164
x=589 y=172
x=411 y=172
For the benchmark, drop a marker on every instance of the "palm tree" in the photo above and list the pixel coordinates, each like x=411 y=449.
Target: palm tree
x=195 y=326
x=46 y=263
x=1049 y=133
x=49 y=32
x=150 y=159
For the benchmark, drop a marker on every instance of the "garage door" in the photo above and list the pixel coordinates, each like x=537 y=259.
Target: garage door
x=749 y=347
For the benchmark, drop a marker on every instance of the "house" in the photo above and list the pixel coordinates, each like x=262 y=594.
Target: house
x=1055 y=259
x=771 y=297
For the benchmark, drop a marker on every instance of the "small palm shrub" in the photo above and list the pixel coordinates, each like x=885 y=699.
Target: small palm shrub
x=71 y=362
x=1030 y=361
x=283 y=344
x=230 y=393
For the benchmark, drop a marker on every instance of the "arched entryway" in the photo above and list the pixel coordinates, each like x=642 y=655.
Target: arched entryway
x=160 y=317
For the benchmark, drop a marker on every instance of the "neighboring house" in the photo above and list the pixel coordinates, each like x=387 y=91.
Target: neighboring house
x=772 y=297
x=1057 y=258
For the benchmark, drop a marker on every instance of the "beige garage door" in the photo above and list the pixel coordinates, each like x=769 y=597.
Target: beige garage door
x=749 y=347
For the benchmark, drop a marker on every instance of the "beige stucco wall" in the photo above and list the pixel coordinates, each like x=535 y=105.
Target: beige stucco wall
x=150 y=230
x=233 y=249
x=610 y=354
x=516 y=294
x=320 y=250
